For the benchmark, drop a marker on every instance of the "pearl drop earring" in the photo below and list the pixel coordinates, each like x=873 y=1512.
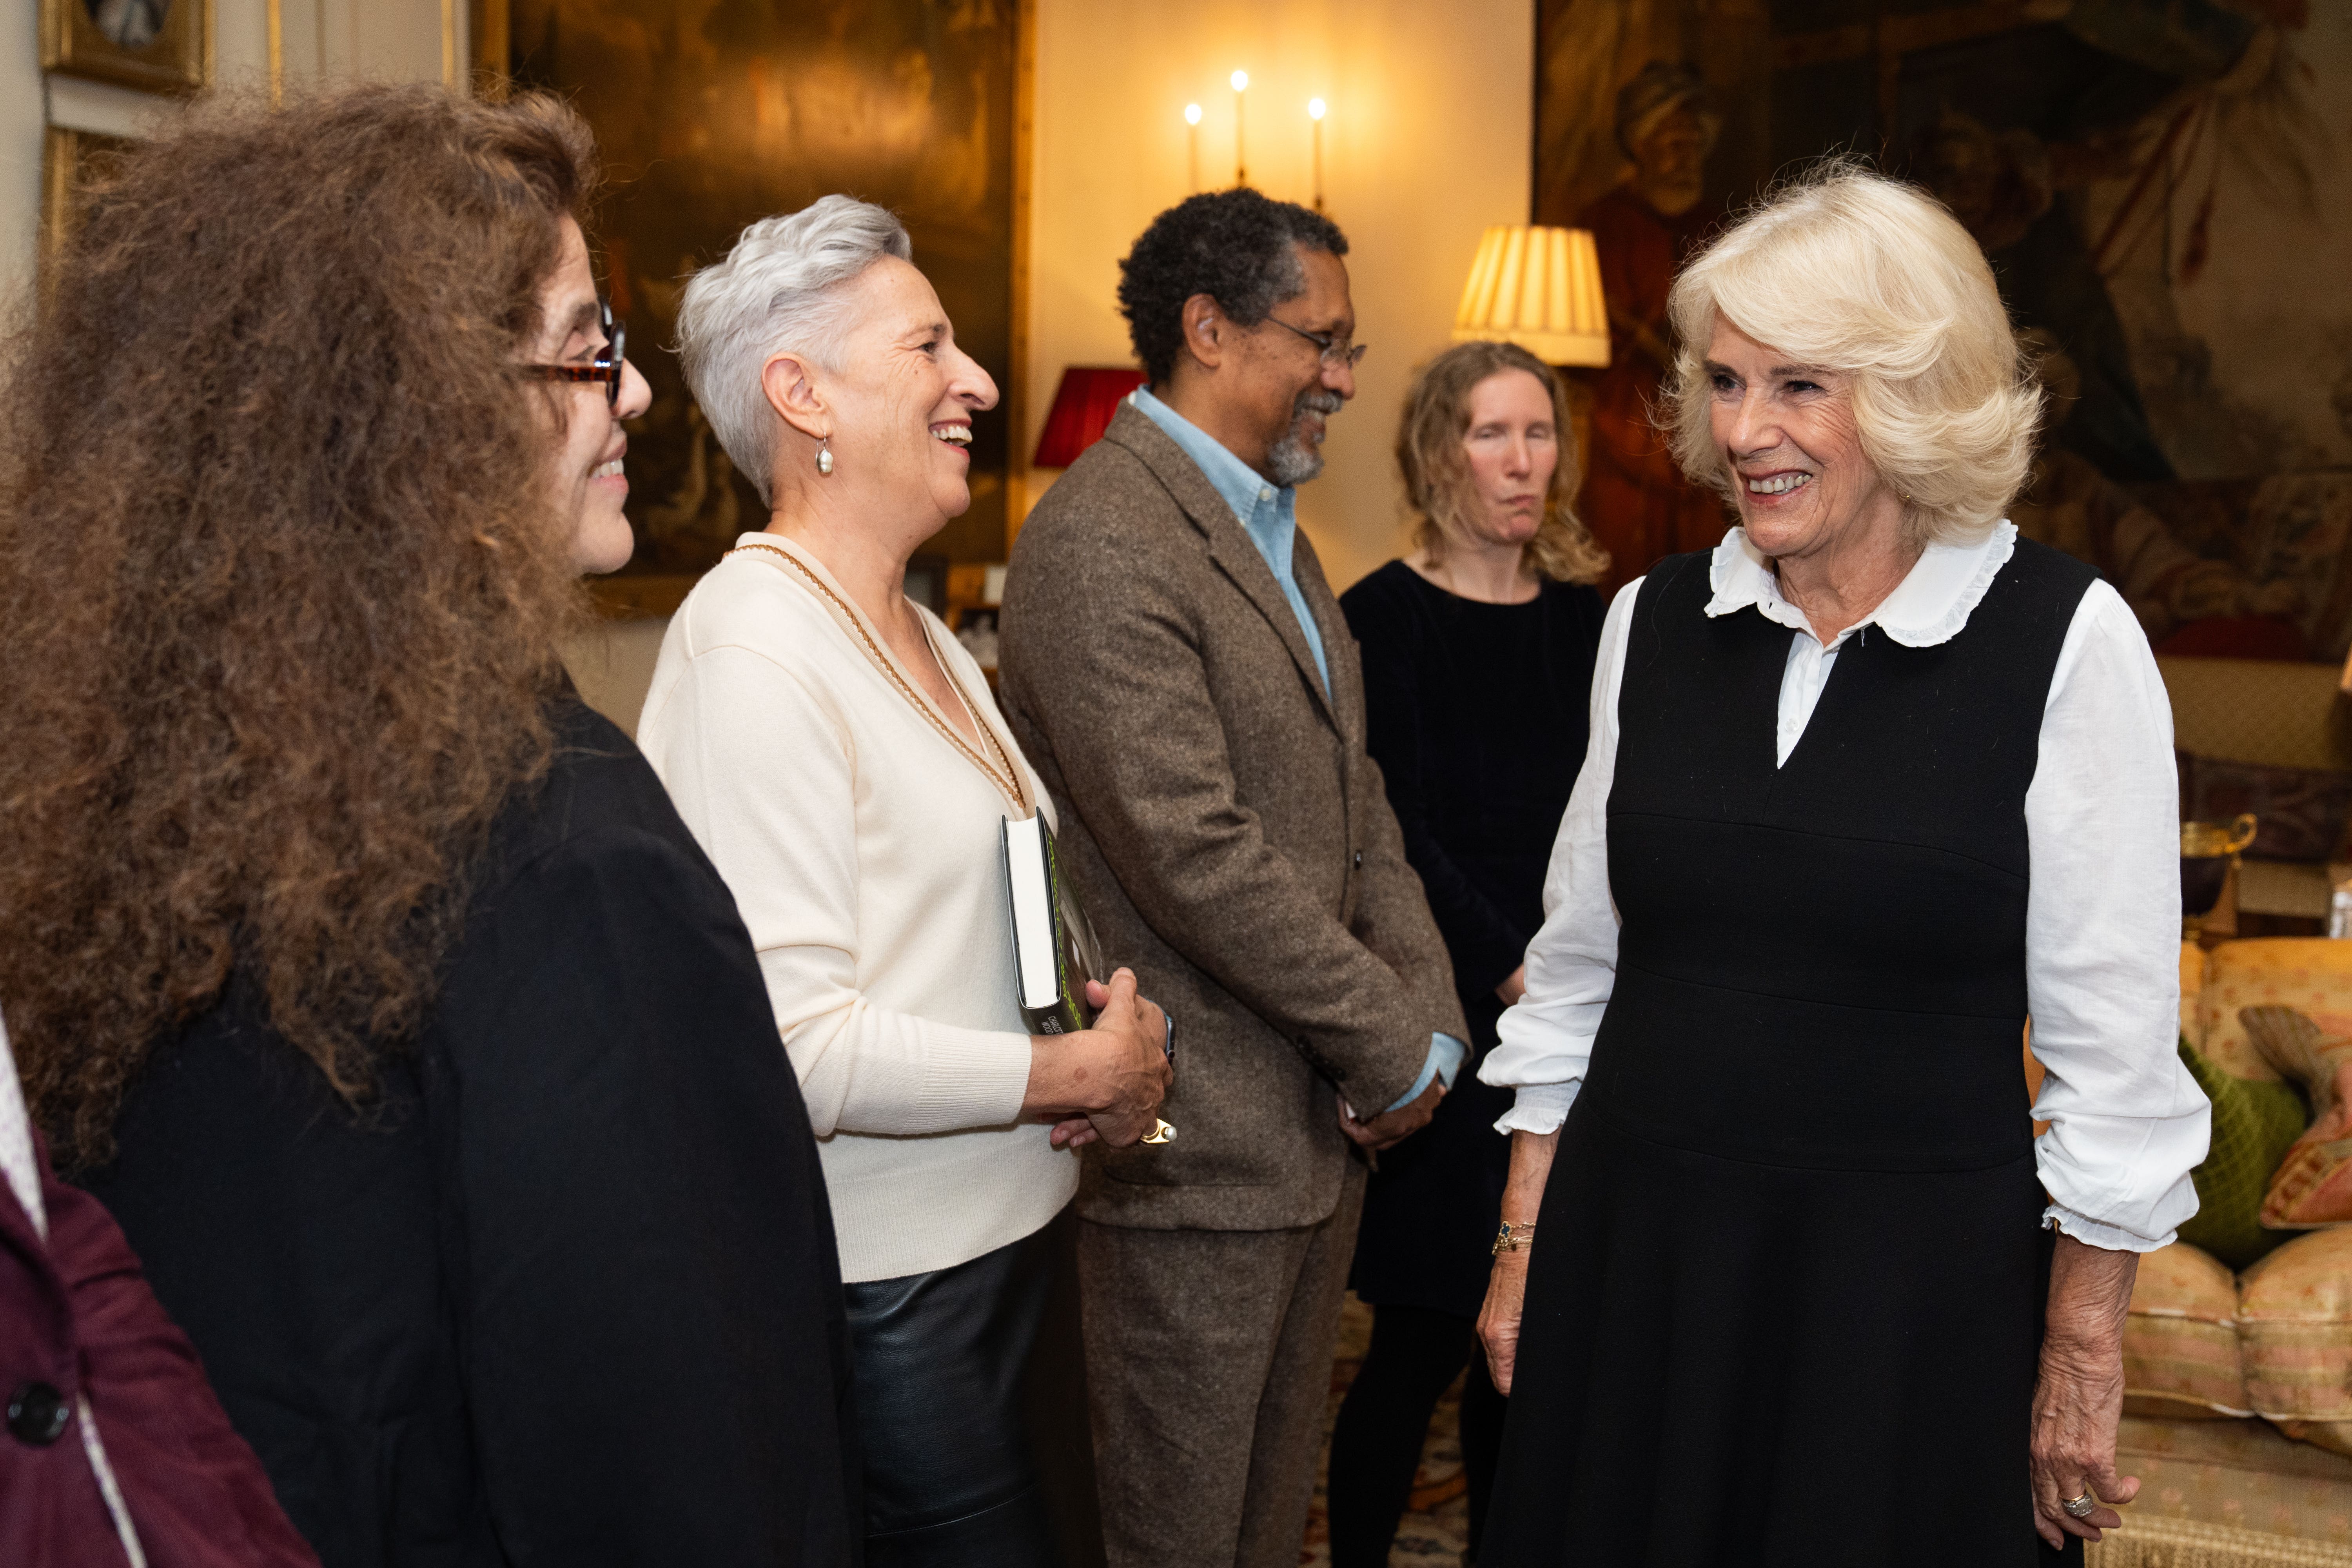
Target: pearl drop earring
x=824 y=455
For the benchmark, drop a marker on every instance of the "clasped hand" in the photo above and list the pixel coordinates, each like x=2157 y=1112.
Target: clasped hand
x=1106 y=1082
x=1393 y=1125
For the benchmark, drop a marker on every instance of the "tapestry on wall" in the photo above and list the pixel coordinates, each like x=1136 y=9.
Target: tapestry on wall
x=713 y=113
x=2164 y=191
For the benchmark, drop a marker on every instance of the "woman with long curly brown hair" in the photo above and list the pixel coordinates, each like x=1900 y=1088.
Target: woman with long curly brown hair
x=1478 y=652
x=364 y=973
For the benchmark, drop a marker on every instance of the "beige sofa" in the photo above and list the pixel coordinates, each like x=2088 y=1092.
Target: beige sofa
x=2220 y=1491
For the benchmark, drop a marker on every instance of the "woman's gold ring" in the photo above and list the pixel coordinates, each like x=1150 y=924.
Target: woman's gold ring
x=2081 y=1507
x=1160 y=1132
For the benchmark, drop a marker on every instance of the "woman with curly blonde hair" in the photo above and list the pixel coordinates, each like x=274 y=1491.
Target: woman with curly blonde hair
x=367 y=976
x=1477 y=657
x=1785 y=1275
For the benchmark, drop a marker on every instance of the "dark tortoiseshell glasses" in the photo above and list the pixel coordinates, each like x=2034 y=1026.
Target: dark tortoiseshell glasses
x=605 y=367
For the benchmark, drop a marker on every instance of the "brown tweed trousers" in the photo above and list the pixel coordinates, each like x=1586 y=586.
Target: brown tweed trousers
x=1232 y=844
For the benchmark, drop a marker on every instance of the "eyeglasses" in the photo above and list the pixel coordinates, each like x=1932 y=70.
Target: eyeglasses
x=1335 y=352
x=605 y=367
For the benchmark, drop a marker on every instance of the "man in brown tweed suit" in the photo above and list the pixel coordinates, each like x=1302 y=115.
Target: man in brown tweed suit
x=1177 y=670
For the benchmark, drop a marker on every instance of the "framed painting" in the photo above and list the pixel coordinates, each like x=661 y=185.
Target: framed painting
x=161 y=46
x=711 y=114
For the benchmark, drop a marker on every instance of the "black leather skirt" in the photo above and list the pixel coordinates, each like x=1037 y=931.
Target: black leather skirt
x=971 y=1410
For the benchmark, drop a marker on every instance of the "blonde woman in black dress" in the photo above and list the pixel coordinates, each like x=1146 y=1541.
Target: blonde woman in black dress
x=1868 y=784
x=1477 y=655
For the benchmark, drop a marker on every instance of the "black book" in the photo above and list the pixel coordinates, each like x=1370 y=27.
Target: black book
x=1054 y=949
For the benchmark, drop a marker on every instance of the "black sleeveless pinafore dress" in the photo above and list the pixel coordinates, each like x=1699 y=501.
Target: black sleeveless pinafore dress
x=1785 y=1301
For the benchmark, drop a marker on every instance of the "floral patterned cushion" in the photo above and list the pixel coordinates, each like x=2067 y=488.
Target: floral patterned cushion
x=2314 y=1184
x=2180 y=1342
x=2311 y=974
x=2295 y=1334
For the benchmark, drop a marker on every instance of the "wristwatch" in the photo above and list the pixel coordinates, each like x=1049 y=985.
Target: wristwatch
x=1515 y=1236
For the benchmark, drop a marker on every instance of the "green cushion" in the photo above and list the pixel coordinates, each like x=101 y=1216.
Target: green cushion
x=2254 y=1124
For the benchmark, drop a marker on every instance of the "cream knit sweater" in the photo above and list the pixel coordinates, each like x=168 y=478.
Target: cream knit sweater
x=863 y=848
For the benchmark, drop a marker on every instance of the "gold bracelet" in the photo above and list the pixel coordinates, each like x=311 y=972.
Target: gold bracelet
x=1515 y=1236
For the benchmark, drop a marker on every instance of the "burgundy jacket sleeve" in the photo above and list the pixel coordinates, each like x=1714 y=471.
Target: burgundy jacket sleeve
x=50 y=1507
x=78 y=1315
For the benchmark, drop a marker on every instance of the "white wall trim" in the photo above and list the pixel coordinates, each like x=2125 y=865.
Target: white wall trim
x=76 y=104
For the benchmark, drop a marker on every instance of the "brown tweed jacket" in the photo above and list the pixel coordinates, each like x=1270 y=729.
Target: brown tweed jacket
x=1229 y=837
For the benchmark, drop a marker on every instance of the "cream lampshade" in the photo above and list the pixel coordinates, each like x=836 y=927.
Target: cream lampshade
x=1541 y=289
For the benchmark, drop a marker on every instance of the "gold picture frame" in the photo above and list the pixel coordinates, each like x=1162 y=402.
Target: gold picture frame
x=160 y=46
x=68 y=160
x=490 y=37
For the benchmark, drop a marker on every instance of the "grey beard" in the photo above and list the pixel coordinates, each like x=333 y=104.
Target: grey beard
x=1293 y=460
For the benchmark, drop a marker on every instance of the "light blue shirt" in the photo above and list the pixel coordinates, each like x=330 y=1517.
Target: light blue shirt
x=1268 y=513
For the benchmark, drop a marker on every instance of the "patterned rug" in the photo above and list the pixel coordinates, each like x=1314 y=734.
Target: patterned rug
x=1437 y=1524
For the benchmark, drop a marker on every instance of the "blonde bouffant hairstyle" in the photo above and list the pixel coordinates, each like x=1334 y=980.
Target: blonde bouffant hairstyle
x=1847 y=270
x=1438 y=485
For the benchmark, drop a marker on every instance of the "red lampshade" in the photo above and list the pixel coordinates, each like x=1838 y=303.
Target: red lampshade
x=1083 y=406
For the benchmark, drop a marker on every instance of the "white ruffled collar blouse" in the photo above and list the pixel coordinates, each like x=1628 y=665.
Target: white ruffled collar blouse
x=2103 y=909
x=1930 y=606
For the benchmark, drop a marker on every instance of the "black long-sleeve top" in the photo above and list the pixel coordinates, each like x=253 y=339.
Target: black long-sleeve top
x=567 y=1292
x=1477 y=714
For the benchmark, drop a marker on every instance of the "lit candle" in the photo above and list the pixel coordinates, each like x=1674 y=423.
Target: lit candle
x=1241 y=164
x=1192 y=152
x=1315 y=113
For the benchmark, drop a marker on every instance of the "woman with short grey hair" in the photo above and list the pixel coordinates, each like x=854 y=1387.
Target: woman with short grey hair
x=839 y=756
x=1867 y=785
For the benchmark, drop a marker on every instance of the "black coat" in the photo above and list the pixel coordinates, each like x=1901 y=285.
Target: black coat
x=567 y=1293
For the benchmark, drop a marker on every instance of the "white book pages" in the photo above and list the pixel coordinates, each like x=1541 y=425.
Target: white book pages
x=1034 y=942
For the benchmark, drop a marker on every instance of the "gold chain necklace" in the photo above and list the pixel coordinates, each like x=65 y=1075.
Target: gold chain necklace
x=964 y=697
x=1005 y=779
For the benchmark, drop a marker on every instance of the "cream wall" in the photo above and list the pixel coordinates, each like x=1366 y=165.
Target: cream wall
x=385 y=38
x=1426 y=143
x=20 y=141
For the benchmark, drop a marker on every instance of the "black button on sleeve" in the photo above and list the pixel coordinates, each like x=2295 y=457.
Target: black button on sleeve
x=37 y=1414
